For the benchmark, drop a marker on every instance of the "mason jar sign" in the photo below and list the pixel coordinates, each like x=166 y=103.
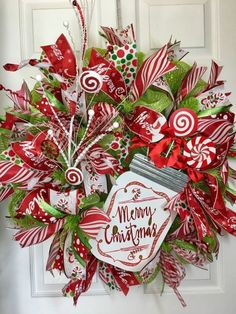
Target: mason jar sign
x=140 y=221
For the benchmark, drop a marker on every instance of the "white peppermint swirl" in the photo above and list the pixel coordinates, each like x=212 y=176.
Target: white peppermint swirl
x=200 y=152
x=183 y=123
x=90 y=81
x=74 y=176
x=120 y=91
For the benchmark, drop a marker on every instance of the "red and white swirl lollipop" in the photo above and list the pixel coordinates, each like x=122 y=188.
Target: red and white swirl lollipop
x=184 y=122
x=200 y=152
x=90 y=81
x=74 y=176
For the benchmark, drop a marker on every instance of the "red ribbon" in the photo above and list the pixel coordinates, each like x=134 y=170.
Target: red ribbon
x=123 y=278
x=76 y=286
x=162 y=157
x=210 y=207
x=174 y=159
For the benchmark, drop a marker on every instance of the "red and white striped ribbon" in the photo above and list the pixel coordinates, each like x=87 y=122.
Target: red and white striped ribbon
x=173 y=273
x=218 y=130
x=33 y=62
x=152 y=68
x=37 y=234
x=81 y=18
x=11 y=173
x=190 y=81
x=93 y=220
x=5 y=193
x=214 y=74
x=53 y=251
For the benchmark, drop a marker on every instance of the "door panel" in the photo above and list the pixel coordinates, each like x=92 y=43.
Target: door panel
x=206 y=28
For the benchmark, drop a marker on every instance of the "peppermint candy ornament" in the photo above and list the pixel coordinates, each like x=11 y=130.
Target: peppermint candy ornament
x=74 y=176
x=184 y=122
x=200 y=152
x=90 y=82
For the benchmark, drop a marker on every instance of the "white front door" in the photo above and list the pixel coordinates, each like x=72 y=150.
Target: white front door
x=207 y=29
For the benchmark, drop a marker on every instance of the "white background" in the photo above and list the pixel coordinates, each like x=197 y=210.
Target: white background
x=207 y=30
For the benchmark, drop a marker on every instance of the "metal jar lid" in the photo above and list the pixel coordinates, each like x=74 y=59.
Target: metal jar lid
x=168 y=177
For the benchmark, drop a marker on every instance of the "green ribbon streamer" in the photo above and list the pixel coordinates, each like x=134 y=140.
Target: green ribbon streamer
x=89 y=201
x=30 y=118
x=51 y=210
x=5 y=131
x=211 y=243
x=213 y=111
x=185 y=245
x=232 y=191
x=53 y=100
x=83 y=238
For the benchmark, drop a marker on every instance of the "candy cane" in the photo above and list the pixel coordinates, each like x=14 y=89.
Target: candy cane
x=81 y=19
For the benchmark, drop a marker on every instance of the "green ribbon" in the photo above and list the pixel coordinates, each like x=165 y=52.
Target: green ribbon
x=53 y=100
x=213 y=111
x=211 y=243
x=89 y=201
x=5 y=131
x=185 y=245
x=51 y=210
x=30 y=118
x=83 y=238
x=232 y=191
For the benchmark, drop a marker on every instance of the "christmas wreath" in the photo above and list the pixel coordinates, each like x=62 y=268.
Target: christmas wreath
x=121 y=159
